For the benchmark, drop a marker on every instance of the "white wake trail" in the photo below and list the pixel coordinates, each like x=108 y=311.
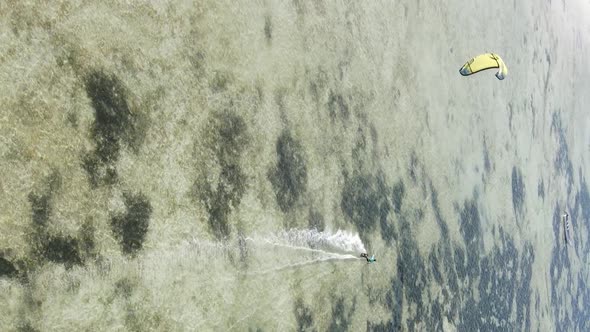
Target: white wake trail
x=310 y=262
x=327 y=242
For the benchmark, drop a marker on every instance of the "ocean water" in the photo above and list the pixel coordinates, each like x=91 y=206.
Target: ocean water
x=220 y=165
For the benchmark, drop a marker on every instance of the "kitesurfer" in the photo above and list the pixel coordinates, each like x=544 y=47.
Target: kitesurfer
x=369 y=259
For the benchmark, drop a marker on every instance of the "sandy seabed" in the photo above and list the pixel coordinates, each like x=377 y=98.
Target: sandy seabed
x=151 y=153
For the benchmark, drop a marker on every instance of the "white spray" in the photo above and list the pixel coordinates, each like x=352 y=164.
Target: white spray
x=339 y=245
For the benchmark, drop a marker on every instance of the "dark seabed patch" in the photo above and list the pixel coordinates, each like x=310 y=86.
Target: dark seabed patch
x=316 y=220
x=388 y=230
x=461 y=267
x=63 y=250
x=227 y=137
x=470 y=229
x=442 y=224
x=318 y=83
x=132 y=312
x=434 y=266
x=244 y=250
x=487 y=163
x=386 y=326
x=338 y=107
x=87 y=239
x=362 y=158
x=413 y=168
x=562 y=163
x=72 y=119
x=393 y=303
x=523 y=293
x=341 y=317
x=510 y=107
x=259 y=329
x=221 y=80
x=502 y=276
x=240 y=259
x=365 y=196
x=131 y=227
x=303 y=316
x=434 y=319
x=300 y=9
x=497 y=289
x=518 y=192
x=399 y=191
x=582 y=209
x=26 y=327
x=581 y=316
x=40 y=208
x=412 y=274
x=541 y=189
x=445 y=252
x=130 y=299
x=124 y=288
x=31 y=304
x=268 y=28
x=289 y=175
x=365 y=201
x=502 y=280
x=114 y=124
x=7 y=268
x=41 y=199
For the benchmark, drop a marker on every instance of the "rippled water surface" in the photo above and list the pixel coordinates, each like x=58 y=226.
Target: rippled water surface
x=220 y=165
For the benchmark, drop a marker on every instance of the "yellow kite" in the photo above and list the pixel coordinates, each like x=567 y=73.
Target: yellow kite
x=483 y=62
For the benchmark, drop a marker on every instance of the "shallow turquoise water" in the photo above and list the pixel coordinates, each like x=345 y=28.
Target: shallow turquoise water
x=152 y=155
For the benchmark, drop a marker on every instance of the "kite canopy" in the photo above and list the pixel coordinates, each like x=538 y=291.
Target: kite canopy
x=483 y=62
